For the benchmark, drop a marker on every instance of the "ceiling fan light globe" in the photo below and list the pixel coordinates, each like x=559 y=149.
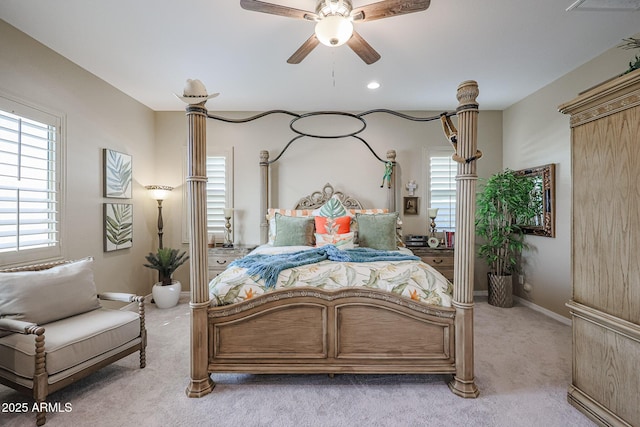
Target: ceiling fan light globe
x=334 y=30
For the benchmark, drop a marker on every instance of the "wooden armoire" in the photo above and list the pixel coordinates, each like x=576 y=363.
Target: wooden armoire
x=605 y=305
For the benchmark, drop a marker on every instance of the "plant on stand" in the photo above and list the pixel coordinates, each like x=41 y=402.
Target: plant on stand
x=502 y=204
x=166 y=292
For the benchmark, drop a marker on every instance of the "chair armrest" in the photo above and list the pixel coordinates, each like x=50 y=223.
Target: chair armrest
x=121 y=296
x=20 y=326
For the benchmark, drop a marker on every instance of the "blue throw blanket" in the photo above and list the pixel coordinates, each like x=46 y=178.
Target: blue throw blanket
x=268 y=267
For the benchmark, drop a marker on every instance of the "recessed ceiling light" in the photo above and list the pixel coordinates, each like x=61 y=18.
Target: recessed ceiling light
x=373 y=85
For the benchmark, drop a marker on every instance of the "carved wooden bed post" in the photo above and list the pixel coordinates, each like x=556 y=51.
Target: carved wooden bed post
x=264 y=196
x=201 y=383
x=463 y=383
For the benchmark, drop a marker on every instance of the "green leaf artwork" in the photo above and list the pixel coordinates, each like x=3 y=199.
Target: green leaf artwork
x=117 y=174
x=118 y=226
x=333 y=208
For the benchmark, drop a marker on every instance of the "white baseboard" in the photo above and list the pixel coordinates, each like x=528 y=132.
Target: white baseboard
x=532 y=306
x=543 y=310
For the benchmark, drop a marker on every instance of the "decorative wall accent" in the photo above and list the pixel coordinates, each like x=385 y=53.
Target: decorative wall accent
x=118 y=226
x=117 y=174
x=543 y=198
x=411 y=206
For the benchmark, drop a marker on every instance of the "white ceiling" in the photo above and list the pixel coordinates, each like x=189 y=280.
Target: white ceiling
x=148 y=48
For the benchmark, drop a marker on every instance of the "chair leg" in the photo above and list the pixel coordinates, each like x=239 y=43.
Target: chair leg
x=143 y=334
x=143 y=348
x=41 y=416
x=143 y=358
x=40 y=379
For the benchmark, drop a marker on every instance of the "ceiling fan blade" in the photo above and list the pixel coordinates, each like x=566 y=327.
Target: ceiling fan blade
x=363 y=49
x=304 y=50
x=388 y=8
x=276 y=9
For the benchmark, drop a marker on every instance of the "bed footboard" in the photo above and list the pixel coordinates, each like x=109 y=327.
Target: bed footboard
x=312 y=331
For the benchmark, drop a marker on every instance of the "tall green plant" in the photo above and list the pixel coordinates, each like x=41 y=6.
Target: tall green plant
x=166 y=261
x=502 y=204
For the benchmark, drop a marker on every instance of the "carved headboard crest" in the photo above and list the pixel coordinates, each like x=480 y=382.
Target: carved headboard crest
x=319 y=198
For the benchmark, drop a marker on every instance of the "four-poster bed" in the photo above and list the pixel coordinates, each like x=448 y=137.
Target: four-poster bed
x=350 y=330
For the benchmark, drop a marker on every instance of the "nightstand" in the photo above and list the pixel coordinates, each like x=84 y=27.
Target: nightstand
x=219 y=258
x=439 y=258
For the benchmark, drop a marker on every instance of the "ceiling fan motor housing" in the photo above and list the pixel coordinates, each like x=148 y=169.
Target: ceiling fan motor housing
x=326 y=8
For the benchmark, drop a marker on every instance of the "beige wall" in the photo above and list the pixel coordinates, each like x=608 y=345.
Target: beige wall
x=97 y=116
x=535 y=133
x=310 y=163
x=529 y=133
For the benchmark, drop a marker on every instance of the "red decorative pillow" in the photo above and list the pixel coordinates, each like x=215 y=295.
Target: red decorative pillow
x=339 y=225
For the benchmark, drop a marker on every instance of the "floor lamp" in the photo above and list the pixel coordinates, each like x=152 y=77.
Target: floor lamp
x=159 y=193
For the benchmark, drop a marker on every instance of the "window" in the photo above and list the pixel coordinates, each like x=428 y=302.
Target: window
x=442 y=189
x=30 y=160
x=219 y=184
x=216 y=194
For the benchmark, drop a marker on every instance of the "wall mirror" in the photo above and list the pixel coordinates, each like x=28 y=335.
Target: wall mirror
x=543 y=197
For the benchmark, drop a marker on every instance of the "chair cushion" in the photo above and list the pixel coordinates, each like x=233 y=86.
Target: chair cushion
x=48 y=295
x=70 y=341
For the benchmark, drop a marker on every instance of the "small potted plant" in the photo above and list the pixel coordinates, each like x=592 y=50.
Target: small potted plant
x=502 y=204
x=166 y=292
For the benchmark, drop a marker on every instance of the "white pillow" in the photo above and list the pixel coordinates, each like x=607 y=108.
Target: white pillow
x=48 y=295
x=341 y=241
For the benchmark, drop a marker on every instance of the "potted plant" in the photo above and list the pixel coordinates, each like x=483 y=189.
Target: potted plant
x=166 y=292
x=502 y=204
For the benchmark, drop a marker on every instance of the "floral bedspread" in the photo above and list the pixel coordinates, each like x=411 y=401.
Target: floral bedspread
x=411 y=279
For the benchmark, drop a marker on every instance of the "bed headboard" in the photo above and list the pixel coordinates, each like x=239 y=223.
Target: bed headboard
x=319 y=198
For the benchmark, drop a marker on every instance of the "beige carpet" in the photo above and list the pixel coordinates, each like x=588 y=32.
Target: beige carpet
x=523 y=367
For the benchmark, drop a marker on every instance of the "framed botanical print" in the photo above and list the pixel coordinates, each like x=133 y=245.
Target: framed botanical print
x=118 y=226
x=117 y=174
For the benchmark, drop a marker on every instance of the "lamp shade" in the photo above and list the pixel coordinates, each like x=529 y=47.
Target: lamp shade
x=159 y=192
x=334 y=30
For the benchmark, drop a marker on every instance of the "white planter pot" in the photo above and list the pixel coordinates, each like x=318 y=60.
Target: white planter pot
x=166 y=296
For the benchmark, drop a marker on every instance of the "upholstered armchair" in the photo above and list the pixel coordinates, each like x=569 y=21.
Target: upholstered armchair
x=54 y=331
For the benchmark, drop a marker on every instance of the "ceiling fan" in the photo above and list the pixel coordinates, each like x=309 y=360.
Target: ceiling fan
x=334 y=22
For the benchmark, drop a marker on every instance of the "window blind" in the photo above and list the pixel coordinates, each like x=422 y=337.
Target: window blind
x=216 y=193
x=29 y=184
x=442 y=191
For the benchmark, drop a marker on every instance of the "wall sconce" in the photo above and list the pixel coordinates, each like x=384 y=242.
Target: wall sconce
x=228 y=242
x=159 y=193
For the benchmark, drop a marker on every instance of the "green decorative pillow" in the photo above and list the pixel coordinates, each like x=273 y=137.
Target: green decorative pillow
x=377 y=231
x=333 y=208
x=293 y=231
